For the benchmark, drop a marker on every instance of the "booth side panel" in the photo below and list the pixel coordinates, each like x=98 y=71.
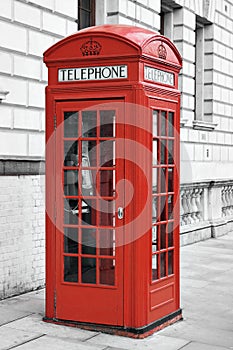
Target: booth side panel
x=50 y=206
x=164 y=290
x=177 y=205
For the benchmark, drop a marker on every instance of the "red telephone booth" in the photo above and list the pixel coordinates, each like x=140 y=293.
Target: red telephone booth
x=112 y=170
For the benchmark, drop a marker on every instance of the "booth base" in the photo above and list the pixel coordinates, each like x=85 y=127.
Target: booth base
x=131 y=332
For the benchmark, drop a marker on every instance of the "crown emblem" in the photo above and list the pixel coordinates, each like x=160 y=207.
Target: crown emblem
x=90 y=48
x=162 y=52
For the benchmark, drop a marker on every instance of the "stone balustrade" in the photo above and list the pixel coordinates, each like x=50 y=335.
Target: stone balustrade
x=227 y=201
x=206 y=210
x=191 y=209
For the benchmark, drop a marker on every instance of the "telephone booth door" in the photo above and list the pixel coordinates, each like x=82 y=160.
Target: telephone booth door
x=88 y=232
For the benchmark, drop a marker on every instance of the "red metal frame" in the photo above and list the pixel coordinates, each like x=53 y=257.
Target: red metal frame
x=166 y=288
x=143 y=305
x=68 y=292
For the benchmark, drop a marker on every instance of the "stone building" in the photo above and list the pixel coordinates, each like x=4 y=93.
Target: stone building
x=202 y=30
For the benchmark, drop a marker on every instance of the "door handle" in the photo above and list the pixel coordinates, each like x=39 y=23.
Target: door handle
x=120 y=213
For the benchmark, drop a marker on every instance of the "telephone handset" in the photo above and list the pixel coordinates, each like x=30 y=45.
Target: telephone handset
x=71 y=179
x=87 y=182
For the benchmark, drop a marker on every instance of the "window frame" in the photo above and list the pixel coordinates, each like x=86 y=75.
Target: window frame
x=91 y=11
x=202 y=119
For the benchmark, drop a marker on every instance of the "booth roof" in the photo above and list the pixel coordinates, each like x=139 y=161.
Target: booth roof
x=135 y=34
x=137 y=37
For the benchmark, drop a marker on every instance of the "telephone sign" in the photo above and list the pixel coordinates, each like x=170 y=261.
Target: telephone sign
x=92 y=73
x=159 y=76
x=112 y=167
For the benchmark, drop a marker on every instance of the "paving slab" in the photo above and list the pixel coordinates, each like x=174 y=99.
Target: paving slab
x=111 y=348
x=9 y=339
x=195 y=283
x=191 y=331
x=201 y=346
x=8 y=314
x=52 y=343
x=204 y=251
x=156 y=341
x=204 y=318
x=206 y=300
x=35 y=324
x=29 y=303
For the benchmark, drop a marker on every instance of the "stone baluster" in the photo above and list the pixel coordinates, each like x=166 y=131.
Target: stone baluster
x=194 y=208
x=227 y=201
x=189 y=205
x=185 y=207
x=182 y=212
x=231 y=199
x=223 y=195
x=199 y=206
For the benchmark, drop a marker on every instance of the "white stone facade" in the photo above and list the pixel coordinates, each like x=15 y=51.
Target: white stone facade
x=27 y=29
x=202 y=30
x=22 y=243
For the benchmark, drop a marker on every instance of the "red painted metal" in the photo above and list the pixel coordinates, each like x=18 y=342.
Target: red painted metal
x=145 y=294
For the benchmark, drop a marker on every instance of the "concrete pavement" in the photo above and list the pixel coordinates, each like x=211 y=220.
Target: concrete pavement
x=206 y=300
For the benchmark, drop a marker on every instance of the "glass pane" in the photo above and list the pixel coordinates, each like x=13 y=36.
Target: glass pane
x=154 y=238
x=86 y=4
x=170 y=180
x=71 y=182
x=89 y=153
x=89 y=124
x=87 y=183
x=163 y=180
x=107 y=123
x=170 y=235
x=89 y=270
x=88 y=211
x=154 y=210
x=163 y=211
x=70 y=240
x=107 y=178
x=170 y=207
x=71 y=211
x=163 y=156
x=107 y=153
x=162 y=265
x=170 y=152
x=107 y=271
x=155 y=123
x=171 y=124
x=85 y=20
x=70 y=153
x=88 y=241
x=155 y=154
x=170 y=262
x=162 y=236
x=70 y=124
x=107 y=242
x=106 y=214
x=88 y=159
x=154 y=267
x=163 y=123
x=154 y=180
x=70 y=269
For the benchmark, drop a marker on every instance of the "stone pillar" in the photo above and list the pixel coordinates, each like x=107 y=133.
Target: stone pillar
x=184 y=38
